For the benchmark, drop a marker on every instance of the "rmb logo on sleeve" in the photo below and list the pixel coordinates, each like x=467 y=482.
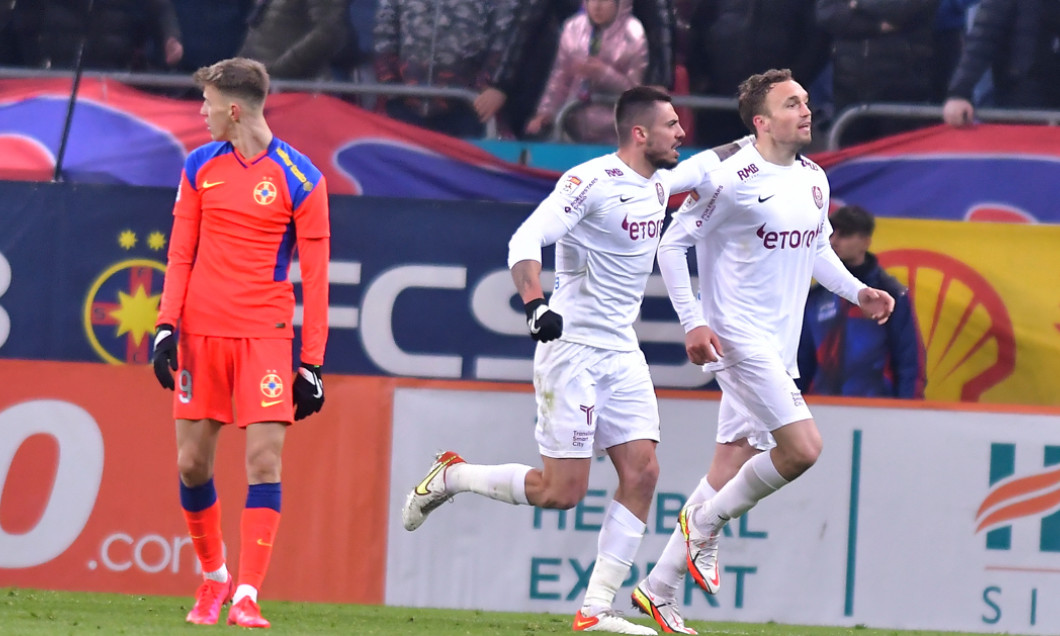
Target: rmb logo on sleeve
x=121 y=305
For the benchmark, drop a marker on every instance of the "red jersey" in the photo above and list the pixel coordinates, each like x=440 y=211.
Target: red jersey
x=236 y=223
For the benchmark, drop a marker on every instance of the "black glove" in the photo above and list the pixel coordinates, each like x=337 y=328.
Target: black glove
x=544 y=323
x=308 y=391
x=165 y=355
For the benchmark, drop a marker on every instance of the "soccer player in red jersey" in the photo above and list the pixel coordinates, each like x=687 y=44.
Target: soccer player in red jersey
x=244 y=202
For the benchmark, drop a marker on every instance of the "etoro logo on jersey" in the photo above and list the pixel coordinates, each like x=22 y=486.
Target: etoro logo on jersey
x=1014 y=497
x=784 y=239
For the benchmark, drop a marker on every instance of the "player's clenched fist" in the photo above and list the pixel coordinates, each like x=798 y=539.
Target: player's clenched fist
x=165 y=356
x=544 y=323
x=308 y=391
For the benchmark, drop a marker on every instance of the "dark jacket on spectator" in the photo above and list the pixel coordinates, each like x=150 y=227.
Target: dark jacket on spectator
x=296 y=38
x=119 y=32
x=731 y=39
x=448 y=43
x=1016 y=38
x=844 y=353
x=871 y=65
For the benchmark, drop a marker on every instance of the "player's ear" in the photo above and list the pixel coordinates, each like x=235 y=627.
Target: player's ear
x=234 y=110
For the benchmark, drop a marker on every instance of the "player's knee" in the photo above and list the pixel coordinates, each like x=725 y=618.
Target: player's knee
x=263 y=466
x=194 y=468
x=641 y=478
x=805 y=453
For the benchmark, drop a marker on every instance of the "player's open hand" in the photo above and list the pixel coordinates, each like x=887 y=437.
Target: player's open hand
x=165 y=355
x=544 y=324
x=308 y=391
x=876 y=304
x=702 y=345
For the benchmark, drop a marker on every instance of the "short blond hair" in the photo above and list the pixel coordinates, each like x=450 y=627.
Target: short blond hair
x=236 y=77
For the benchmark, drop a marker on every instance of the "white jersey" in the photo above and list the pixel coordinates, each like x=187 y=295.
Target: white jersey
x=605 y=220
x=761 y=233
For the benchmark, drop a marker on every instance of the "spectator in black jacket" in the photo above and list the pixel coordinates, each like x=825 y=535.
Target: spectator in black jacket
x=118 y=34
x=1020 y=41
x=296 y=39
x=882 y=51
x=730 y=40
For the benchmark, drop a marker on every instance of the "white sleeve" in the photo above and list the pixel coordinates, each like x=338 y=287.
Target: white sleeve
x=673 y=263
x=830 y=271
x=690 y=172
x=552 y=219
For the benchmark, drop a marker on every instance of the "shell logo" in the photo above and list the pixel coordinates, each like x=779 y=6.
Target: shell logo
x=964 y=324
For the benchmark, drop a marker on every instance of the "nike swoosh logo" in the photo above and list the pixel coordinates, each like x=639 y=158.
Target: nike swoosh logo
x=421 y=488
x=262 y=543
x=270 y=403
x=197 y=536
x=762 y=199
x=581 y=622
x=206 y=185
x=625 y=197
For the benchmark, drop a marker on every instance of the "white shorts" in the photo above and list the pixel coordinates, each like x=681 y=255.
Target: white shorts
x=591 y=399
x=758 y=397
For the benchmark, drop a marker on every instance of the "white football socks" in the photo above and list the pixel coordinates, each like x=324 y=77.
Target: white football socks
x=244 y=591
x=620 y=536
x=504 y=482
x=666 y=577
x=219 y=575
x=757 y=479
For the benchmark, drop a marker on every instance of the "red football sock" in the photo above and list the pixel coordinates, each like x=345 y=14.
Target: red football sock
x=204 y=527
x=258 y=531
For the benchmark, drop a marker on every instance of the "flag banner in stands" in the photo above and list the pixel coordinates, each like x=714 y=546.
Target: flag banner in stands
x=122 y=135
x=998 y=173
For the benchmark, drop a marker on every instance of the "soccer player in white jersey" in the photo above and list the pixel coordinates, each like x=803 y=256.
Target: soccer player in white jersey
x=593 y=389
x=760 y=227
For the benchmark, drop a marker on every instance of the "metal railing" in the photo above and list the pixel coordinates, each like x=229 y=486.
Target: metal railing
x=851 y=114
x=166 y=80
x=695 y=102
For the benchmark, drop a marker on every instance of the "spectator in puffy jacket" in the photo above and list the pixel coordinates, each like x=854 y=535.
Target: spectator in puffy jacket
x=1020 y=41
x=516 y=86
x=296 y=39
x=443 y=43
x=118 y=34
x=730 y=40
x=842 y=352
x=603 y=50
x=882 y=51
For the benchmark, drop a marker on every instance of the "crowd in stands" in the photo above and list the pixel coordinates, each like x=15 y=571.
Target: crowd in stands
x=526 y=59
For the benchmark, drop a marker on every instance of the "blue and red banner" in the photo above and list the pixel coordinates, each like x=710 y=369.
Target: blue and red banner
x=125 y=136
x=995 y=173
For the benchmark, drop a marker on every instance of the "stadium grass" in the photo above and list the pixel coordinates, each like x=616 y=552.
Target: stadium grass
x=26 y=612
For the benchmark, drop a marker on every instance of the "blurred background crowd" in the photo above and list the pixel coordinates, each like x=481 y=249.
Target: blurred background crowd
x=525 y=60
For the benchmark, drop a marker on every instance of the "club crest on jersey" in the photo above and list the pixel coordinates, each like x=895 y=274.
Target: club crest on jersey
x=265 y=192
x=659 y=191
x=818 y=197
x=570 y=185
x=272 y=385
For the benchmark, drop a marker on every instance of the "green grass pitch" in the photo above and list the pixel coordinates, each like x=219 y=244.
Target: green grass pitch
x=25 y=612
